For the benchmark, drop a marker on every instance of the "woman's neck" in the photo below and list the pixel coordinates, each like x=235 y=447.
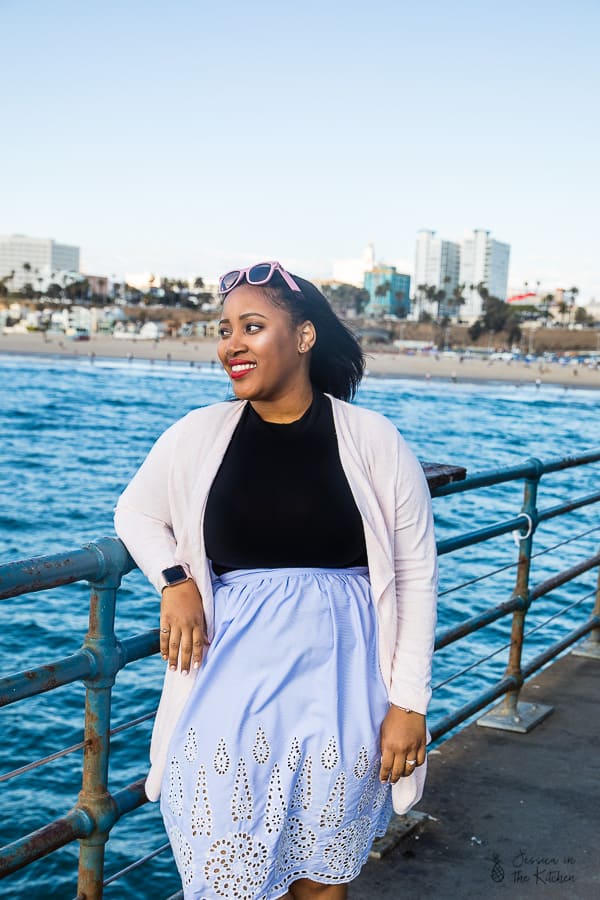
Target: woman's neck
x=287 y=409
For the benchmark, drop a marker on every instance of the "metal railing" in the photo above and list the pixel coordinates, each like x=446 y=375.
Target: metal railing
x=103 y=564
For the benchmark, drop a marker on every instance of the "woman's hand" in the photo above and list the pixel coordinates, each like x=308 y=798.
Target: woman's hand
x=403 y=743
x=182 y=625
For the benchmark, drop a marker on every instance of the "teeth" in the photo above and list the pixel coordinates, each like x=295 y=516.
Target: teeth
x=242 y=367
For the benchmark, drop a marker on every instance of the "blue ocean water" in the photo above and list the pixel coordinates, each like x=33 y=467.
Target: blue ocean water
x=73 y=432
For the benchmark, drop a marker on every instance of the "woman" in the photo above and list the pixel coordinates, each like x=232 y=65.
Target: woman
x=290 y=535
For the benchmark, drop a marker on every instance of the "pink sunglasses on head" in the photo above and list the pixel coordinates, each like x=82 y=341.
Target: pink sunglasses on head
x=260 y=273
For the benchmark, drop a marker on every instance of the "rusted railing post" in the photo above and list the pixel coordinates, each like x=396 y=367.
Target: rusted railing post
x=101 y=643
x=512 y=714
x=591 y=646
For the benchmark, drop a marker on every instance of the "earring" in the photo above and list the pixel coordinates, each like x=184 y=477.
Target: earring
x=302 y=348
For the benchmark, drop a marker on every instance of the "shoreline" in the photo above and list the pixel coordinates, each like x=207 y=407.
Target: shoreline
x=390 y=365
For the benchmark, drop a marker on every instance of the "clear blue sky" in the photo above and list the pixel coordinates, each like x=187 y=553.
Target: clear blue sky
x=187 y=137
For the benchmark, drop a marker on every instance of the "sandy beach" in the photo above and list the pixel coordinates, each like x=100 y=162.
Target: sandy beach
x=197 y=350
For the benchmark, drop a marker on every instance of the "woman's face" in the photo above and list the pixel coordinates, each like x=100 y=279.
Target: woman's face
x=260 y=348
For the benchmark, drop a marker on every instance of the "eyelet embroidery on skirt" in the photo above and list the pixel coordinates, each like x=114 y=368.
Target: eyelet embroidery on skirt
x=190 y=748
x=330 y=755
x=184 y=855
x=348 y=845
x=370 y=788
x=236 y=865
x=175 y=788
x=241 y=798
x=221 y=760
x=361 y=766
x=275 y=808
x=296 y=845
x=201 y=819
x=302 y=795
x=294 y=756
x=332 y=813
x=261 y=749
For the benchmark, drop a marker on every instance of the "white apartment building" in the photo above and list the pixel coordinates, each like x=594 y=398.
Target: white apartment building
x=483 y=260
x=46 y=259
x=437 y=262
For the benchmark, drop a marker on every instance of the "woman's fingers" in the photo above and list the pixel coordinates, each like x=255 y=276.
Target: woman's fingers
x=174 y=643
x=165 y=631
x=186 y=650
x=199 y=642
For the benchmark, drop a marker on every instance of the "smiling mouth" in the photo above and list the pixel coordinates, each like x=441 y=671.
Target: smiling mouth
x=240 y=369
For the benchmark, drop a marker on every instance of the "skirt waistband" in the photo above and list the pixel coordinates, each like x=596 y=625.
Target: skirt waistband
x=249 y=575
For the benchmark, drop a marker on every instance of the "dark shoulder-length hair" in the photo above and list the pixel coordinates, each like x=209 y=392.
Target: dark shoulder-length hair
x=337 y=361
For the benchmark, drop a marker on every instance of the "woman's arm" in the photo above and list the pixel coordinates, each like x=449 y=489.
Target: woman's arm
x=403 y=733
x=143 y=521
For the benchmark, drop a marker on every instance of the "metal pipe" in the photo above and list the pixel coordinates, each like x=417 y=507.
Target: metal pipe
x=94 y=795
x=42 y=572
x=45 y=678
x=550 y=584
x=482 y=534
x=478 y=621
x=76 y=824
x=572 y=637
x=521 y=590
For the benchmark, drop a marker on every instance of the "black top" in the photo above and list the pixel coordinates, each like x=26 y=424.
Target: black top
x=281 y=499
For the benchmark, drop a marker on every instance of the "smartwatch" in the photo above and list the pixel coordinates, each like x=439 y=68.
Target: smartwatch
x=174 y=575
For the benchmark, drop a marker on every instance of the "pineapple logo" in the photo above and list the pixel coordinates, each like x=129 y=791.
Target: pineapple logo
x=497 y=872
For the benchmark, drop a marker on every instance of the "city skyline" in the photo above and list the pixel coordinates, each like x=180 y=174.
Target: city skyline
x=212 y=137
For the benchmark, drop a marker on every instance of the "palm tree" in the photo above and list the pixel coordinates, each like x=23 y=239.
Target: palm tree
x=457 y=300
x=381 y=291
x=573 y=293
x=547 y=300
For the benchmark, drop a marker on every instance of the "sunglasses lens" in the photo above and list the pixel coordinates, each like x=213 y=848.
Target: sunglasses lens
x=229 y=280
x=259 y=274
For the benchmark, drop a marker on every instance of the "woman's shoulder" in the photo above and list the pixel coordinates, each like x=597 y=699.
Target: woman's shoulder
x=370 y=423
x=211 y=415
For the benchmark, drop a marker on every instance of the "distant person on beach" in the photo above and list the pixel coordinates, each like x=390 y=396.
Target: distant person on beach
x=291 y=537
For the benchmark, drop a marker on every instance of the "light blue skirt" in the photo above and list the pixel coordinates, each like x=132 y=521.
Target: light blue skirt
x=272 y=771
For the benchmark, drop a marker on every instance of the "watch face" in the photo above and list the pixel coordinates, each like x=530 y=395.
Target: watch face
x=174 y=574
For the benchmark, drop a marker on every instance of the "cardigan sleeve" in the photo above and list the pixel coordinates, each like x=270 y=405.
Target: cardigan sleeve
x=143 y=518
x=415 y=562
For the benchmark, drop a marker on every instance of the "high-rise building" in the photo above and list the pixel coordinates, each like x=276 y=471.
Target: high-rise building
x=437 y=262
x=389 y=291
x=483 y=260
x=35 y=261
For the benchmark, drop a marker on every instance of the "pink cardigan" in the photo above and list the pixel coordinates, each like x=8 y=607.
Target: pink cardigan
x=160 y=514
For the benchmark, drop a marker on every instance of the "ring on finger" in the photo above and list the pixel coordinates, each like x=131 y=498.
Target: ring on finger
x=165 y=630
x=411 y=762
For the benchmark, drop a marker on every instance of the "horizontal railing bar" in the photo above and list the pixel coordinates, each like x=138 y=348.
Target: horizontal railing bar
x=529 y=469
x=531 y=631
x=542 y=658
x=482 y=534
x=475 y=623
x=455 y=718
x=139 y=646
x=568 y=462
x=487 y=479
x=43 y=572
x=72 y=668
x=46 y=678
x=76 y=824
x=131 y=797
x=549 y=584
x=89 y=563
x=135 y=865
x=553 y=511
